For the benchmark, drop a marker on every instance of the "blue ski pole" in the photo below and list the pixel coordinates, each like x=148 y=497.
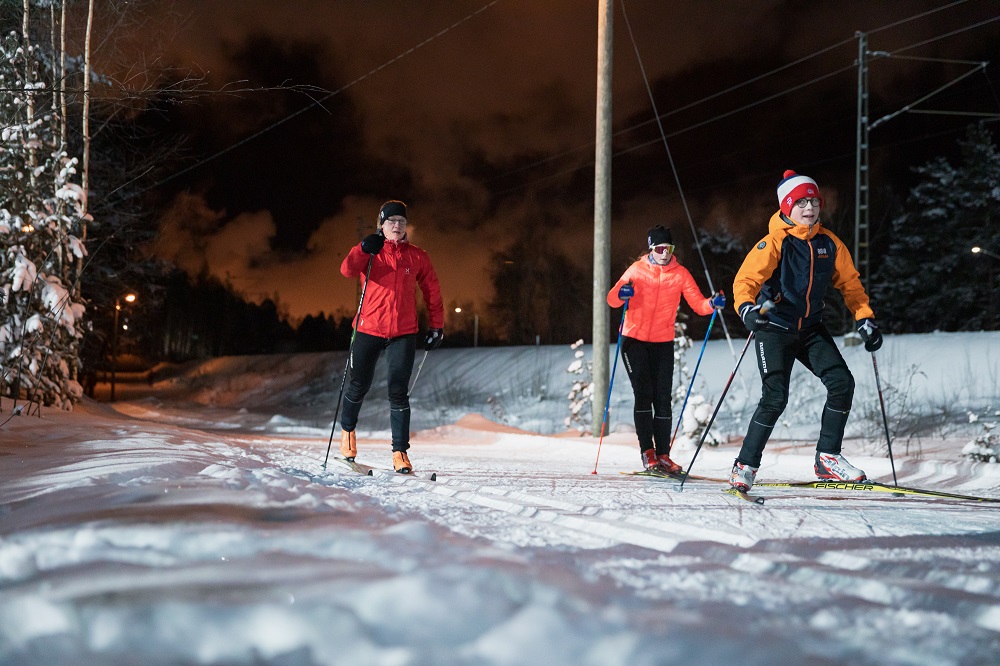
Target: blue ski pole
x=611 y=385
x=680 y=417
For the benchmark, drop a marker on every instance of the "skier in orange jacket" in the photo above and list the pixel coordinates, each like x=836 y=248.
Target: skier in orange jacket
x=653 y=287
x=792 y=267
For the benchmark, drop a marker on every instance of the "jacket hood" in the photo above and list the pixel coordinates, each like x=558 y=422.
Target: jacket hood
x=781 y=224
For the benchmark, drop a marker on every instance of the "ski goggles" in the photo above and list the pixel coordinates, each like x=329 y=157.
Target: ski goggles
x=663 y=248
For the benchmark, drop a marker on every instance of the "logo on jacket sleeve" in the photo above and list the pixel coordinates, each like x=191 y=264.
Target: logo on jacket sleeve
x=761 y=245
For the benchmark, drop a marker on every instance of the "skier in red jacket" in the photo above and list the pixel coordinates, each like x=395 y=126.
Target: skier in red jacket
x=388 y=322
x=654 y=285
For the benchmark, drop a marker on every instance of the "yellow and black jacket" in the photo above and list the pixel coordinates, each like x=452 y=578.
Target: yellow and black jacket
x=793 y=266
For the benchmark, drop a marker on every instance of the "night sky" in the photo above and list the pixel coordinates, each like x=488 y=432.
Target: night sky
x=488 y=128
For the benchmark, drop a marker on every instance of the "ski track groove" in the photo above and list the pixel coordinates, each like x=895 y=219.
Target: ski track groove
x=836 y=572
x=839 y=571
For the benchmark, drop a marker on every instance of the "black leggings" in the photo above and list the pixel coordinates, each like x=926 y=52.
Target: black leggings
x=364 y=355
x=776 y=353
x=650 y=368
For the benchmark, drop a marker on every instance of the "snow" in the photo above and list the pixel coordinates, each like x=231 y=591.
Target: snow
x=193 y=522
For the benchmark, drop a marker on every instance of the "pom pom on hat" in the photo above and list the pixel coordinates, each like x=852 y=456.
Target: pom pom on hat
x=659 y=235
x=390 y=208
x=794 y=187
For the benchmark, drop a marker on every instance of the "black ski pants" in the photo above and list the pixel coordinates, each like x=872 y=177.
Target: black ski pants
x=650 y=368
x=776 y=353
x=365 y=353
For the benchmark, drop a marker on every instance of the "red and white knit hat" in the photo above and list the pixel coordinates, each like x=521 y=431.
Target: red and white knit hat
x=794 y=187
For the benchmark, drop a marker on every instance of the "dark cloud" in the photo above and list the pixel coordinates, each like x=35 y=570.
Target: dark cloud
x=490 y=124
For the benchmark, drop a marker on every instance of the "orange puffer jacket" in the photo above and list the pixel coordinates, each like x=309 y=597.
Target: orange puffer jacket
x=390 y=308
x=653 y=310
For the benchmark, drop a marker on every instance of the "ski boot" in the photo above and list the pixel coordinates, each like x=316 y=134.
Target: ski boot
x=348 y=445
x=834 y=467
x=649 y=461
x=401 y=462
x=669 y=466
x=742 y=476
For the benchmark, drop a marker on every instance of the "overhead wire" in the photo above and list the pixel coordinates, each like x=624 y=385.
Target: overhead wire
x=916 y=16
x=677 y=179
x=690 y=105
x=745 y=107
x=317 y=102
x=689 y=128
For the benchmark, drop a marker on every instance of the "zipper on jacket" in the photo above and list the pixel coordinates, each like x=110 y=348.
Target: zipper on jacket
x=812 y=269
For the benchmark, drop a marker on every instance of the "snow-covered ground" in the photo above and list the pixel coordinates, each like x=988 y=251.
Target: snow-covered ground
x=193 y=522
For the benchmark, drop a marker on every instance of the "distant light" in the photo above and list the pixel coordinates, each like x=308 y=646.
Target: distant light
x=130 y=298
x=124 y=327
x=977 y=250
x=27 y=228
x=458 y=309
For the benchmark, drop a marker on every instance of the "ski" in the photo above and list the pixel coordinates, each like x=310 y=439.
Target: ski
x=655 y=475
x=872 y=486
x=736 y=492
x=368 y=470
x=677 y=477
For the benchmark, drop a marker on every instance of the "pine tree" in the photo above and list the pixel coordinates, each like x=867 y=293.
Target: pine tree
x=41 y=211
x=929 y=279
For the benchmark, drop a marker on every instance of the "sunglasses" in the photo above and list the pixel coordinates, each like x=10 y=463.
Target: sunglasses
x=665 y=248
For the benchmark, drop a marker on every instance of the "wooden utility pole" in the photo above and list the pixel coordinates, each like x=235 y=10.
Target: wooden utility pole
x=602 y=211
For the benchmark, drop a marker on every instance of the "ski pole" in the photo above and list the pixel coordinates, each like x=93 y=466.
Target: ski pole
x=691 y=385
x=763 y=310
x=614 y=368
x=417 y=376
x=885 y=420
x=350 y=349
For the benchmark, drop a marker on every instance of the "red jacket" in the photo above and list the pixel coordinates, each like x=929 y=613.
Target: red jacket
x=390 y=307
x=653 y=310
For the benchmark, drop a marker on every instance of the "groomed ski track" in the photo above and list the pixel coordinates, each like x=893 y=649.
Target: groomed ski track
x=817 y=573
x=838 y=545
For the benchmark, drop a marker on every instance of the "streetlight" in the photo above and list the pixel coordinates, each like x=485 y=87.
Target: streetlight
x=128 y=298
x=978 y=250
x=475 y=327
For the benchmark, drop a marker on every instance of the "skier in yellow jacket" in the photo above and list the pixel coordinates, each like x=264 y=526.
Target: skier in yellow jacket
x=792 y=267
x=653 y=285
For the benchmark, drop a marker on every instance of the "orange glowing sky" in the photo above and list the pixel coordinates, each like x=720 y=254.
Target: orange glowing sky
x=490 y=125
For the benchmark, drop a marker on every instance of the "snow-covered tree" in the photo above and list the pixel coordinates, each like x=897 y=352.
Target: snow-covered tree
x=690 y=420
x=580 y=394
x=41 y=211
x=929 y=279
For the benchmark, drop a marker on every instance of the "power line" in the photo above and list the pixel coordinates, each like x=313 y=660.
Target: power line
x=946 y=35
x=319 y=101
x=697 y=125
x=683 y=108
x=733 y=111
x=759 y=78
x=917 y=16
x=677 y=178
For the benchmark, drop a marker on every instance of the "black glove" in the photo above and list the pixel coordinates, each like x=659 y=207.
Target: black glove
x=752 y=317
x=434 y=338
x=870 y=334
x=373 y=243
